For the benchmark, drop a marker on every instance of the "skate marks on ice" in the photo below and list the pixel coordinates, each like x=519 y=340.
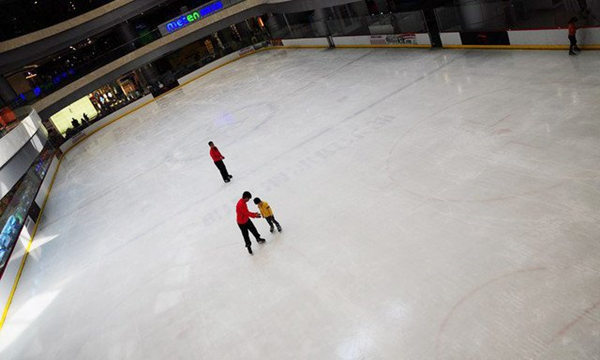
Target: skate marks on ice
x=514 y=299
x=585 y=313
x=302 y=166
x=442 y=337
x=502 y=164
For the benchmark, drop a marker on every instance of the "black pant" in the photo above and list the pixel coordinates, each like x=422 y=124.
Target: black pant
x=573 y=41
x=221 y=166
x=271 y=220
x=249 y=226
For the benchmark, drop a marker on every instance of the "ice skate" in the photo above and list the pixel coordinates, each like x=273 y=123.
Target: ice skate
x=250 y=250
x=278 y=228
x=272 y=229
x=261 y=240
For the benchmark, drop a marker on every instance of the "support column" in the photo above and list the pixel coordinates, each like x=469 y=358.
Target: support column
x=128 y=35
x=149 y=73
x=320 y=23
x=7 y=93
x=432 y=28
x=273 y=26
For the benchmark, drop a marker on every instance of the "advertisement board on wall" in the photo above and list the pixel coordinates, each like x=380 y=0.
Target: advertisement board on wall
x=395 y=39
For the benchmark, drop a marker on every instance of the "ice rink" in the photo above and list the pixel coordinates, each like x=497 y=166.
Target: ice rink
x=434 y=204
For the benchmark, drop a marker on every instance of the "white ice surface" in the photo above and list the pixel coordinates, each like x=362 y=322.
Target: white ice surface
x=435 y=205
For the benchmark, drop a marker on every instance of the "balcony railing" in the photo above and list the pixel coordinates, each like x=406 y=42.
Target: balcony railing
x=49 y=83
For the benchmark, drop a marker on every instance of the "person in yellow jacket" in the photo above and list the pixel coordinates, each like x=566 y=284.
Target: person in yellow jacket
x=267 y=213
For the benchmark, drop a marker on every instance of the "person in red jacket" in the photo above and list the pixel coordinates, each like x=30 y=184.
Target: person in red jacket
x=215 y=154
x=573 y=36
x=244 y=222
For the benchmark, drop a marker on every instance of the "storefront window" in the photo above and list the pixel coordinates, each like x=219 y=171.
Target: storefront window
x=76 y=112
x=96 y=105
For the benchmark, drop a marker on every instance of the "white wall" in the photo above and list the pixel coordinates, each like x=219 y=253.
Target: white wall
x=587 y=36
x=423 y=39
x=352 y=40
x=538 y=37
x=451 y=38
x=306 y=42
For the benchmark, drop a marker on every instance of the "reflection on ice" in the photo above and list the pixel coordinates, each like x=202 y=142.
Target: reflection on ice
x=25 y=316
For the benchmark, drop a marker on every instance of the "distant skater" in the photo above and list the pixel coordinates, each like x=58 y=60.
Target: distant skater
x=573 y=36
x=244 y=222
x=267 y=213
x=215 y=154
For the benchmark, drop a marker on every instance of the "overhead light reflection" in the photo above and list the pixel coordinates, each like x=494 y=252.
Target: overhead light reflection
x=19 y=321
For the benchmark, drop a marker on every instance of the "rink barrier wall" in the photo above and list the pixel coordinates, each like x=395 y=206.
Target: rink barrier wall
x=16 y=263
x=320 y=42
x=374 y=41
x=361 y=41
x=48 y=182
x=543 y=39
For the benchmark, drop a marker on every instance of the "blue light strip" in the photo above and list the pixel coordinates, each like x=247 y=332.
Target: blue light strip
x=193 y=16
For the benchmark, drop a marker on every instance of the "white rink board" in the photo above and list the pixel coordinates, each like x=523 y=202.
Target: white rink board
x=421 y=39
x=451 y=38
x=306 y=42
x=585 y=36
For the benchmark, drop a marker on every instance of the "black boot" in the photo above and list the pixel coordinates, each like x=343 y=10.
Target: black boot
x=272 y=229
x=249 y=250
x=260 y=240
x=279 y=228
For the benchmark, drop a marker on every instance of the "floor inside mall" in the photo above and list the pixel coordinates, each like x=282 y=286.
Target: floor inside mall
x=435 y=204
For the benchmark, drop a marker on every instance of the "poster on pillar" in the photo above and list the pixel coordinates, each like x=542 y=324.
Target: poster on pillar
x=395 y=39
